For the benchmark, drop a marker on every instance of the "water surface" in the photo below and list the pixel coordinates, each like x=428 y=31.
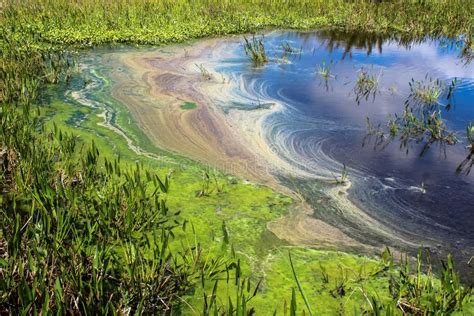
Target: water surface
x=321 y=127
x=312 y=125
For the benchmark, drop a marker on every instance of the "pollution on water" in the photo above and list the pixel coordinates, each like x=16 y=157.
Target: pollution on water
x=306 y=124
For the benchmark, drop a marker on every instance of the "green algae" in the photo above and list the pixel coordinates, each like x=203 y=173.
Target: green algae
x=188 y=106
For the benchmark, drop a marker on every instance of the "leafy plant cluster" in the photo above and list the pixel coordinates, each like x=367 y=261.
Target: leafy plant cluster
x=255 y=50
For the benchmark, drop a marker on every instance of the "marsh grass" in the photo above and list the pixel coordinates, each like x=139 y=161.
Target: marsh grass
x=344 y=177
x=421 y=121
x=426 y=94
x=367 y=85
x=255 y=50
x=381 y=138
x=325 y=70
x=419 y=293
x=210 y=184
x=288 y=49
x=428 y=128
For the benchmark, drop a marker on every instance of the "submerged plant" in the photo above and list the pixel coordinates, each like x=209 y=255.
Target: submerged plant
x=426 y=94
x=255 y=50
x=325 y=70
x=366 y=85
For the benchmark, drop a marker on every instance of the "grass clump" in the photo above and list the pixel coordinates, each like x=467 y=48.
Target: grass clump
x=325 y=71
x=412 y=290
x=421 y=121
x=366 y=85
x=427 y=93
x=255 y=50
x=427 y=129
x=205 y=74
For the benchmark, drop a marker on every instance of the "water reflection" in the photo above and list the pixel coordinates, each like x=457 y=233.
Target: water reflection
x=347 y=42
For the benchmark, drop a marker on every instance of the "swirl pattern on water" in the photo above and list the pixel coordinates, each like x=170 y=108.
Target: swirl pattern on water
x=301 y=130
x=315 y=131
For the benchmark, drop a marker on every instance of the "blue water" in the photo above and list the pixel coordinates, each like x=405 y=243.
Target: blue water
x=322 y=127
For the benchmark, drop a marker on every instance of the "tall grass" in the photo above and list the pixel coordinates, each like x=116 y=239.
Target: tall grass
x=92 y=22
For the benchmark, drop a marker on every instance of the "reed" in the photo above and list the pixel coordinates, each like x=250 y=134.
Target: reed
x=205 y=74
x=344 y=177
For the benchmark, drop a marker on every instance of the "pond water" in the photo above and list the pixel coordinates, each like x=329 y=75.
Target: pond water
x=402 y=199
x=321 y=127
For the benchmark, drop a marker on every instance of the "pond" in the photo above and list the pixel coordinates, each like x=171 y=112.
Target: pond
x=297 y=120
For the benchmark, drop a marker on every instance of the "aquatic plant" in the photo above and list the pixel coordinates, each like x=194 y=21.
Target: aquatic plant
x=255 y=50
x=421 y=120
x=467 y=48
x=287 y=48
x=466 y=164
x=426 y=128
x=325 y=70
x=366 y=85
x=343 y=178
x=205 y=74
x=381 y=140
x=426 y=94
